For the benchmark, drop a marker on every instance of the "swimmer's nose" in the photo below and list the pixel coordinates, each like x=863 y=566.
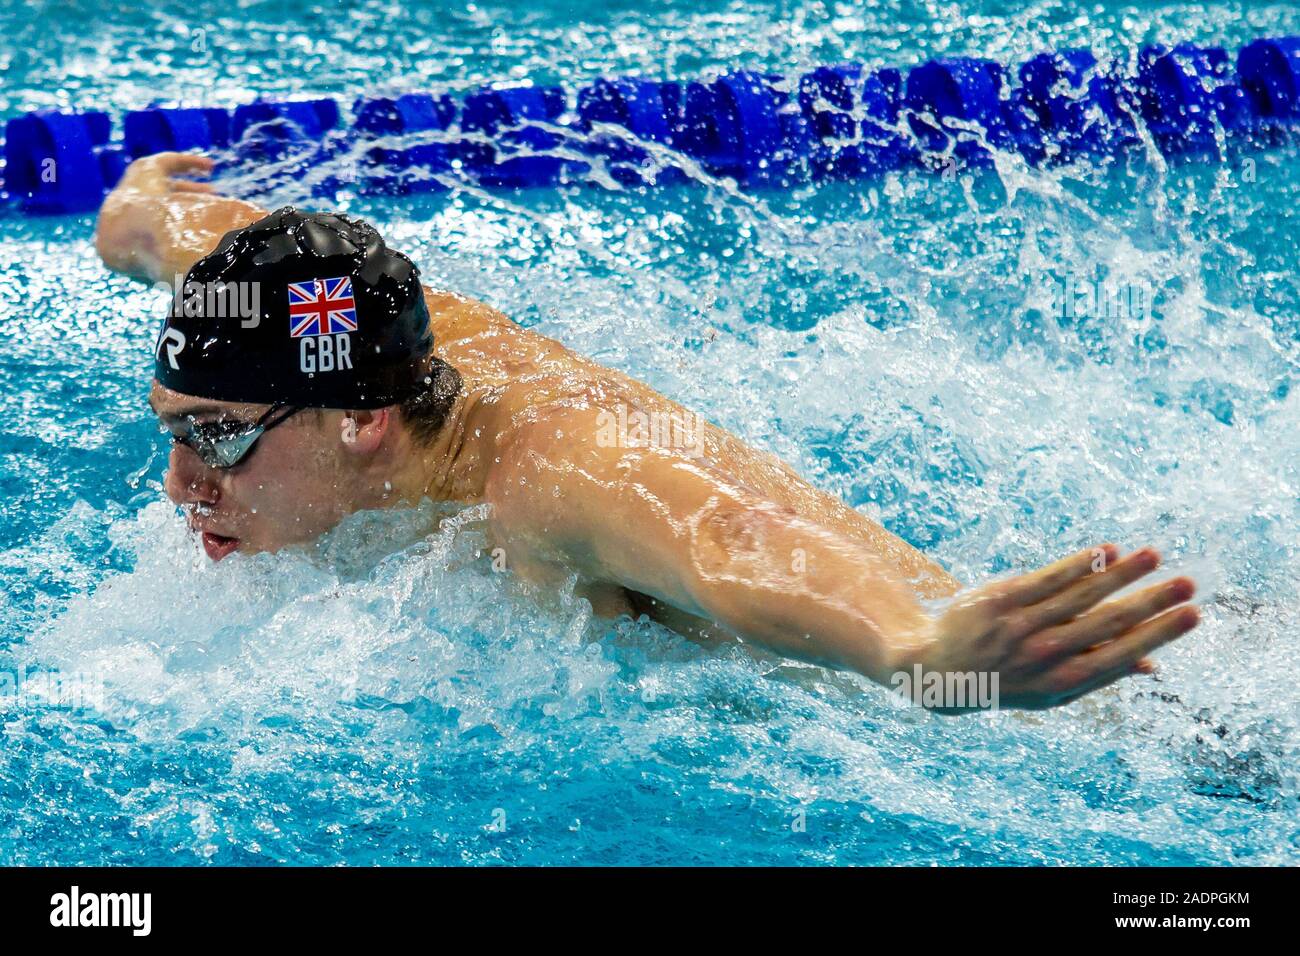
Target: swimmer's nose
x=188 y=480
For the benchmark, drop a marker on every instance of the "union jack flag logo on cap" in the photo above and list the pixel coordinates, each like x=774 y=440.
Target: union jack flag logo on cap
x=321 y=307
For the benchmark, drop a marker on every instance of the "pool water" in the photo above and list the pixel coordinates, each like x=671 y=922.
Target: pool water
x=389 y=699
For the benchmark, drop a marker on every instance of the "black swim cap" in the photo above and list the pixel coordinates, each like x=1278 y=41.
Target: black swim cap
x=309 y=309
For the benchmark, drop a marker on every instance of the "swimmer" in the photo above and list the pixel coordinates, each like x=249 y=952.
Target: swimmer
x=349 y=386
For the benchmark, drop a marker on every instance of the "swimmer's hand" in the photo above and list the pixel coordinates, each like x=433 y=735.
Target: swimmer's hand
x=154 y=225
x=1046 y=634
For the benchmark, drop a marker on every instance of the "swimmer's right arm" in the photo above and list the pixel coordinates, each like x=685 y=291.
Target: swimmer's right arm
x=665 y=525
x=154 y=226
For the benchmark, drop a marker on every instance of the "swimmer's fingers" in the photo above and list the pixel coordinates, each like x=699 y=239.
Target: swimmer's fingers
x=154 y=173
x=180 y=164
x=1106 y=664
x=1041 y=584
x=1112 y=619
x=191 y=186
x=1089 y=590
x=187 y=164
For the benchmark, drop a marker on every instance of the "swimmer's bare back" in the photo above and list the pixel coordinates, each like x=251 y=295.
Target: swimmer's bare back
x=707 y=534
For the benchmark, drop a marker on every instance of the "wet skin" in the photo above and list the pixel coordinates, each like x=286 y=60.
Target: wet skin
x=712 y=537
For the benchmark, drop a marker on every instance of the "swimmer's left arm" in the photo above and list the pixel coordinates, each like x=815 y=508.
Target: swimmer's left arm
x=675 y=528
x=656 y=522
x=154 y=225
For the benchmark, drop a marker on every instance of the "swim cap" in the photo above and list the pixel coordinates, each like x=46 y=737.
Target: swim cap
x=308 y=309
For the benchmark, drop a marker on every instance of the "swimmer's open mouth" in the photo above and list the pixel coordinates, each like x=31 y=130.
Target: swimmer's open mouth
x=218 y=545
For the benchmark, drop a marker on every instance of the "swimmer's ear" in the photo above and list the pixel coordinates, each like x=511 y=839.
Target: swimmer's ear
x=362 y=431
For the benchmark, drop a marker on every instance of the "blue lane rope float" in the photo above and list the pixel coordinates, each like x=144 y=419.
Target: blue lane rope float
x=1064 y=107
x=155 y=130
x=267 y=129
x=400 y=117
x=61 y=162
x=648 y=110
x=845 y=146
x=510 y=119
x=762 y=129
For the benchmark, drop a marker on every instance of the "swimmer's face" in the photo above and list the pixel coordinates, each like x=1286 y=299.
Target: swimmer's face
x=293 y=485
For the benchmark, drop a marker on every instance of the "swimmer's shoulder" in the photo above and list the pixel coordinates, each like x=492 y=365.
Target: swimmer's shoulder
x=490 y=344
x=516 y=376
x=455 y=317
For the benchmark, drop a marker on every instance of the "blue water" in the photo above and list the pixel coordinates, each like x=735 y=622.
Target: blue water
x=896 y=340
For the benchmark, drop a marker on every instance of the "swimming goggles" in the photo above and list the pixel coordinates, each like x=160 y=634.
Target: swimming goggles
x=224 y=444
